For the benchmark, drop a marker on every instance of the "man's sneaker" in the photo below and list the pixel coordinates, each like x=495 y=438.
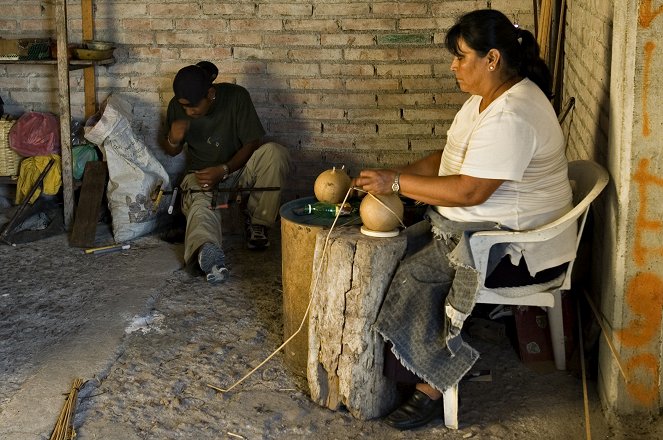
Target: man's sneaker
x=211 y=260
x=218 y=274
x=256 y=236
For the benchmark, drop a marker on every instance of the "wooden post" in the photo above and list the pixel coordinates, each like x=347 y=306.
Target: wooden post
x=346 y=356
x=65 y=111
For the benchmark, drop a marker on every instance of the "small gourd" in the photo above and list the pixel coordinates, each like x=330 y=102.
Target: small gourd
x=331 y=186
x=377 y=217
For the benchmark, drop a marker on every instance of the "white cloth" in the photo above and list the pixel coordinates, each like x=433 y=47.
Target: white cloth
x=517 y=138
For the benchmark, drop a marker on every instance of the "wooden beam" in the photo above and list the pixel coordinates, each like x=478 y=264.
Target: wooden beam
x=89 y=79
x=65 y=110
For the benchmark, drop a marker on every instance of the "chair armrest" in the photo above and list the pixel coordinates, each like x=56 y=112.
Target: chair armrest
x=482 y=241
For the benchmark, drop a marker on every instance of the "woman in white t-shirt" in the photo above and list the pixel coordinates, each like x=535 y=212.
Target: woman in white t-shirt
x=503 y=166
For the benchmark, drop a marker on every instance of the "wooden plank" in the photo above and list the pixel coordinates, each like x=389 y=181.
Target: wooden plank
x=89 y=203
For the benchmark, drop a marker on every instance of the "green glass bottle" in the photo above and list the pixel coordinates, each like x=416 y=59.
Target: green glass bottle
x=326 y=209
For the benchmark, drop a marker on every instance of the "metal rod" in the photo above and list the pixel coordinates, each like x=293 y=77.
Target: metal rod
x=10 y=225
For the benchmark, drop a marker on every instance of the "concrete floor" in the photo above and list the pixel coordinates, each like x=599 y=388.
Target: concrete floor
x=148 y=338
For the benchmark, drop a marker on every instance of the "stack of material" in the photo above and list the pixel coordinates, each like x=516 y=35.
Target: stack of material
x=9 y=159
x=64 y=427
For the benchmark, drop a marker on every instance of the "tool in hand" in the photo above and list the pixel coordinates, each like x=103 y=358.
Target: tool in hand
x=215 y=205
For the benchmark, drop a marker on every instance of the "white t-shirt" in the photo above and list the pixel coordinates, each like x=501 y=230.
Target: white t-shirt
x=517 y=138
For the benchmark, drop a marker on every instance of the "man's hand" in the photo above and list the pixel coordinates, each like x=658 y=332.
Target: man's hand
x=175 y=137
x=209 y=178
x=178 y=130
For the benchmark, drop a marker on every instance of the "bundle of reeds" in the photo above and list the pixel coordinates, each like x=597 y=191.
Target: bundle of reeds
x=64 y=427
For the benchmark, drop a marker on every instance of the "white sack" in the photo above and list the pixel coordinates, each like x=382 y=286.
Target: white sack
x=133 y=172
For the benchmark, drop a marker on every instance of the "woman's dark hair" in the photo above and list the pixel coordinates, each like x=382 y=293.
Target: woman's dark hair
x=487 y=29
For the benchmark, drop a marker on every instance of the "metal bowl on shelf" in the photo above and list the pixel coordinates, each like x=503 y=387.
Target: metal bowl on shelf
x=97 y=45
x=82 y=53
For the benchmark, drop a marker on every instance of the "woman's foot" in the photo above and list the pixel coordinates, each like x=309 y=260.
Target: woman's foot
x=417 y=411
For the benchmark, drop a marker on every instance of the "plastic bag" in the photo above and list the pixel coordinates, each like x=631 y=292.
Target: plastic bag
x=133 y=172
x=80 y=155
x=35 y=134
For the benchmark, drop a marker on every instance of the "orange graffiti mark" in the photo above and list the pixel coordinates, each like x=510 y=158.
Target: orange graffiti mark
x=644 y=179
x=644 y=370
x=649 y=55
x=646 y=15
x=644 y=295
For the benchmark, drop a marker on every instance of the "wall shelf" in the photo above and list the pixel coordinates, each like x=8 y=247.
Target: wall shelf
x=73 y=64
x=64 y=66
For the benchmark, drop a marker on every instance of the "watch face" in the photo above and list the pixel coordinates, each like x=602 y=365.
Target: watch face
x=395 y=187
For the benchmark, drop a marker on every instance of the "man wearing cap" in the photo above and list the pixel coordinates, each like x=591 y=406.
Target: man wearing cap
x=219 y=128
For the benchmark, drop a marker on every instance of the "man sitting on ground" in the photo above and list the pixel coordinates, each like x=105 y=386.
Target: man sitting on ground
x=218 y=127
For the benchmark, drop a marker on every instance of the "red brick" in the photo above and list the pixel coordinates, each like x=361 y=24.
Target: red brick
x=286 y=9
x=347 y=39
x=403 y=70
x=372 y=84
x=362 y=24
x=371 y=54
x=347 y=69
x=341 y=9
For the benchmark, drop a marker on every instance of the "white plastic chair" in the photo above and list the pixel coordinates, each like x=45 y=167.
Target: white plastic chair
x=587 y=180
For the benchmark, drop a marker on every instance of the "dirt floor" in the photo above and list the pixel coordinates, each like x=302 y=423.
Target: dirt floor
x=148 y=338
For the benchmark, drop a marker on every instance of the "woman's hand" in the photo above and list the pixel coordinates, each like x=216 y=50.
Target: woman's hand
x=376 y=181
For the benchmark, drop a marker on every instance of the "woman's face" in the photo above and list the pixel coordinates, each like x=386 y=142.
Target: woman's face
x=470 y=69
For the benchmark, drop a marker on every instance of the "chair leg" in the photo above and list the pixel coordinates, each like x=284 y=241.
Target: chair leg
x=556 y=323
x=450 y=402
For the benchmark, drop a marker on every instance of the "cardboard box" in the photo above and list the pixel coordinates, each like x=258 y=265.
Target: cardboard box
x=25 y=48
x=533 y=332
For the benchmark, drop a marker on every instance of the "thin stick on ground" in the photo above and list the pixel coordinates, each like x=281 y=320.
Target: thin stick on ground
x=588 y=430
x=605 y=332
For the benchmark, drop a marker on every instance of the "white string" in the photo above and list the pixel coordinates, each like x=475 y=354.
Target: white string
x=385 y=206
x=308 y=307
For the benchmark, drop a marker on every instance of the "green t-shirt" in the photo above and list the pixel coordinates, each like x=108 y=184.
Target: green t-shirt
x=213 y=139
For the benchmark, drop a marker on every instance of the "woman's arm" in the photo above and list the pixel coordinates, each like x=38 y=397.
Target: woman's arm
x=419 y=181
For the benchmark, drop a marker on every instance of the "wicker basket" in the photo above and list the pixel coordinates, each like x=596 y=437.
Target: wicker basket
x=9 y=159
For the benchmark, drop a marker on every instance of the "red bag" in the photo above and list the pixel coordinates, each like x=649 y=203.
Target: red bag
x=35 y=134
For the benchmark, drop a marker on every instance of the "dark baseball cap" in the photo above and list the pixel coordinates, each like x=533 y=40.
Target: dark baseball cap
x=192 y=83
x=210 y=68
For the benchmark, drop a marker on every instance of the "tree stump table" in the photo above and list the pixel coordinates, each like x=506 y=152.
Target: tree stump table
x=345 y=355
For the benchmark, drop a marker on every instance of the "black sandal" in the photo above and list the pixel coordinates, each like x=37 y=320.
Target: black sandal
x=417 y=411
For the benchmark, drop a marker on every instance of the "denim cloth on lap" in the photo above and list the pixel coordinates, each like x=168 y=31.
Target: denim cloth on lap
x=412 y=316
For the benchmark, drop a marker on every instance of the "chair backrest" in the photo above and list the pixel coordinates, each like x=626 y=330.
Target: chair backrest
x=588 y=179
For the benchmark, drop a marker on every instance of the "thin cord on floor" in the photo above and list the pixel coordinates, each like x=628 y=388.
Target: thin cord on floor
x=308 y=307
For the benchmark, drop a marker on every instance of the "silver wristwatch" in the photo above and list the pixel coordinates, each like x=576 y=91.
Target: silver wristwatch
x=396 y=186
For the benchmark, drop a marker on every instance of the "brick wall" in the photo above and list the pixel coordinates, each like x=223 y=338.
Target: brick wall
x=588 y=54
x=343 y=82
